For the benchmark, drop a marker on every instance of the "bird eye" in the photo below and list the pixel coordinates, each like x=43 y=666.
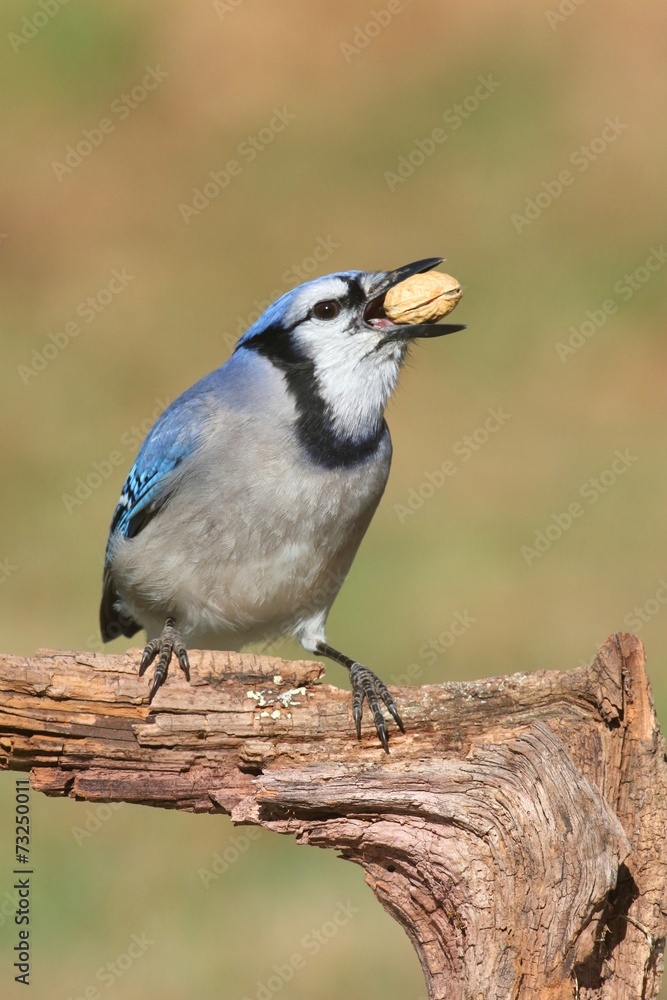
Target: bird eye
x=328 y=309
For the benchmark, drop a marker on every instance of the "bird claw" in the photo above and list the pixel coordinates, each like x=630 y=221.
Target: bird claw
x=367 y=686
x=164 y=646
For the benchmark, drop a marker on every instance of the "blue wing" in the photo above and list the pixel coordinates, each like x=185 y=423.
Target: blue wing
x=174 y=436
x=143 y=495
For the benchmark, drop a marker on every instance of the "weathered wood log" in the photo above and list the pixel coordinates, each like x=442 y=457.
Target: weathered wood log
x=517 y=831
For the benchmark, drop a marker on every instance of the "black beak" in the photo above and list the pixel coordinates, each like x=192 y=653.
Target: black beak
x=374 y=311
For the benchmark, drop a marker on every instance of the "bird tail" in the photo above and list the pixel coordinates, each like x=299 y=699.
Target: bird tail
x=113 y=623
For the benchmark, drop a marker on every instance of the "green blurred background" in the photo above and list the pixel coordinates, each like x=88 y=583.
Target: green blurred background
x=520 y=93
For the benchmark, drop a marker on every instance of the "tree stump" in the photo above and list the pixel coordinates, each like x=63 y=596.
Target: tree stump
x=517 y=830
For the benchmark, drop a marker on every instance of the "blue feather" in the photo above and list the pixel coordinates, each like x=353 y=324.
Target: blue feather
x=173 y=437
x=277 y=311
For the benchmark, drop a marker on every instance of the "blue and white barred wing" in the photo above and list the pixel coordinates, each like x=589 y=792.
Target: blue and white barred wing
x=173 y=437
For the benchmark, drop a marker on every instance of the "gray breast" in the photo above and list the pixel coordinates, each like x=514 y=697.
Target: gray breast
x=255 y=535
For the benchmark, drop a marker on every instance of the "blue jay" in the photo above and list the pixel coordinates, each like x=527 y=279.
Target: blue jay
x=252 y=491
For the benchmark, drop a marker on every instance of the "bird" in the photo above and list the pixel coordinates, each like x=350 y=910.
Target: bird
x=251 y=493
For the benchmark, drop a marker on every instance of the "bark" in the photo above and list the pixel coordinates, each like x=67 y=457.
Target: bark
x=517 y=830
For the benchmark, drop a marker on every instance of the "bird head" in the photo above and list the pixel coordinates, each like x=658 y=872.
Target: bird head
x=334 y=342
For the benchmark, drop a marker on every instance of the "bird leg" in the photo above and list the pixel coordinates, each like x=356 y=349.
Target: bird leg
x=166 y=644
x=365 y=685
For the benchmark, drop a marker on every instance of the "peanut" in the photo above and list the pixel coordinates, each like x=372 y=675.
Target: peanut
x=423 y=298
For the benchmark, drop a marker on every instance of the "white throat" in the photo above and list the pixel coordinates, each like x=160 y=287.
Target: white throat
x=356 y=383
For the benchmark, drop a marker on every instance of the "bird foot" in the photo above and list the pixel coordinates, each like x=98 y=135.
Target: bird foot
x=367 y=685
x=164 y=646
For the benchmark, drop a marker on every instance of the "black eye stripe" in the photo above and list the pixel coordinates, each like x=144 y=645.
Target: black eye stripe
x=353 y=297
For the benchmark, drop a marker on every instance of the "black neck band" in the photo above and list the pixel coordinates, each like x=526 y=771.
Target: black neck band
x=314 y=425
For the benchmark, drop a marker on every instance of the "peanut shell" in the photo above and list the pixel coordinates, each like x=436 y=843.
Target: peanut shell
x=423 y=298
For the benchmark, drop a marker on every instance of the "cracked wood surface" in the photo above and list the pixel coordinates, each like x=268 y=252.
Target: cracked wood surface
x=517 y=830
